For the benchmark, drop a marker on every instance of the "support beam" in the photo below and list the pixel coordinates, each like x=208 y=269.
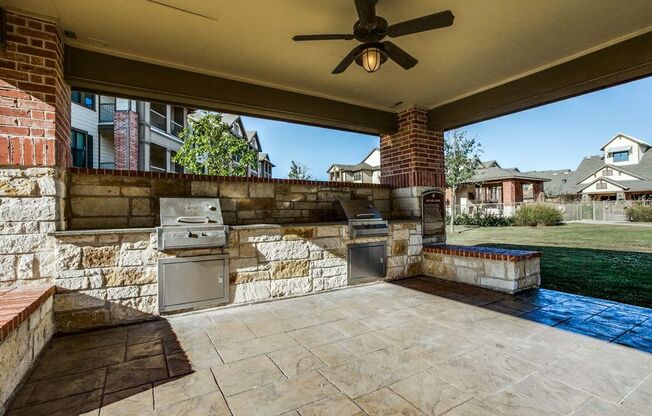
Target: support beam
x=107 y=74
x=625 y=61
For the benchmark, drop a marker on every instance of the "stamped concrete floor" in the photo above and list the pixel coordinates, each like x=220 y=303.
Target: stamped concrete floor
x=421 y=347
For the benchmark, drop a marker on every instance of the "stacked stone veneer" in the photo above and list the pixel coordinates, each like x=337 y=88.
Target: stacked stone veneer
x=504 y=270
x=111 y=278
x=26 y=325
x=31 y=206
x=114 y=199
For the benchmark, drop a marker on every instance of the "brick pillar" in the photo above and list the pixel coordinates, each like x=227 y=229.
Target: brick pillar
x=537 y=191
x=34 y=99
x=415 y=155
x=412 y=161
x=512 y=192
x=34 y=149
x=125 y=134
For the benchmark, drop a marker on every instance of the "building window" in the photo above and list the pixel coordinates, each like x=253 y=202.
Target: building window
x=607 y=172
x=81 y=146
x=601 y=185
x=158 y=116
x=178 y=121
x=157 y=158
x=357 y=176
x=620 y=156
x=83 y=98
x=527 y=186
x=175 y=167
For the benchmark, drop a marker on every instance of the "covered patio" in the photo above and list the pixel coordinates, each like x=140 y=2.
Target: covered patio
x=84 y=324
x=419 y=347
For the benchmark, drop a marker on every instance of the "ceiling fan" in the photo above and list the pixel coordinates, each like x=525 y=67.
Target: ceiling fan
x=371 y=29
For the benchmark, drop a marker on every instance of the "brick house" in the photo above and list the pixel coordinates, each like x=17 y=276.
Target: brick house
x=492 y=184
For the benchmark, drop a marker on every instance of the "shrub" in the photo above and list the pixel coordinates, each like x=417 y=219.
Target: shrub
x=639 y=213
x=537 y=214
x=480 y=219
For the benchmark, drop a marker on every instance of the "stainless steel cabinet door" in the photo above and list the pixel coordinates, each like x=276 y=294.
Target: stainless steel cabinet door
x=193 y=282
x=366 y=260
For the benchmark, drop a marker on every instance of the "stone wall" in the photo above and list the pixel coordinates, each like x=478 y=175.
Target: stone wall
x=507 y=271
x=111 y=278
x=31 y=205
x=21 y=347
x=116 y=199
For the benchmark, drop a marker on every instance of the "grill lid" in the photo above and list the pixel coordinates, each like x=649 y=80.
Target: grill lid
x=360 y=210
x=190 y=211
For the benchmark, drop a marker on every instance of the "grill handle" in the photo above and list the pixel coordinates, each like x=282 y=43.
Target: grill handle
x=365 y=215
x=193 y=220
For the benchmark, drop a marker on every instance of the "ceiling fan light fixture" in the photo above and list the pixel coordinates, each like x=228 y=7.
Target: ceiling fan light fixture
x=371 y=59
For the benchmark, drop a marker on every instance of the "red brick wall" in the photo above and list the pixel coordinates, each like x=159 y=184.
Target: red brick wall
x=512 y=192
x=34 y=99
x=415 y=155
x=125 y=133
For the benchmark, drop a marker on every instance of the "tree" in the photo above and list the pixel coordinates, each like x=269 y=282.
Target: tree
x=462 y=158
x=210 y=147
x=298 y=171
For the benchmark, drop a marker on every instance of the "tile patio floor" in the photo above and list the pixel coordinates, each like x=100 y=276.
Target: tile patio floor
x=421 y=347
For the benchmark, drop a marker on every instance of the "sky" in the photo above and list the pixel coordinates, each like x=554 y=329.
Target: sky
x=554 y=136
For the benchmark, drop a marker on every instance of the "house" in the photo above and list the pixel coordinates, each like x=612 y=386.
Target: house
x=123 y=134
x=367 y=171
x=493 y=184
x=622 y=171
x=119 y=133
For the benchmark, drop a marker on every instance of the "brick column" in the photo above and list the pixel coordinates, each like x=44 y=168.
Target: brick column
x=125 y=134
x=512 y=192
x=34 y=99
x=537 y=191
x=415 y=155
x=34 y=149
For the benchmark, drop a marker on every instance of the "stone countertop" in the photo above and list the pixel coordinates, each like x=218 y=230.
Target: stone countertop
x=104 y=231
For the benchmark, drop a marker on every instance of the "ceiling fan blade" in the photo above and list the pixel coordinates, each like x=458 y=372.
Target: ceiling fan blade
x=421 y=24
x=348 y=59
x=399 y=56
x=300 y=38
x=366 y=12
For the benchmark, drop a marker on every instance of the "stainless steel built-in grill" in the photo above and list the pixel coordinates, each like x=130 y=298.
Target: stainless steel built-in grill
x=197 y=281
x=364 y=219
x=191 y=223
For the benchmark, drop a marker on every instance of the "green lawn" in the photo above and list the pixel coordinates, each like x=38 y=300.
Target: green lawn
x=605 y=261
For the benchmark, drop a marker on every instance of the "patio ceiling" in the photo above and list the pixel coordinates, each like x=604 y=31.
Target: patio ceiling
x=492 y=44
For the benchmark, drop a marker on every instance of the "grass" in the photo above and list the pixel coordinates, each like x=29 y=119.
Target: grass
x=611 y=262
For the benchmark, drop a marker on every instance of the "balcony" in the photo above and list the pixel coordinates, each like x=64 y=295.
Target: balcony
x=106 y=112
x=107 y=165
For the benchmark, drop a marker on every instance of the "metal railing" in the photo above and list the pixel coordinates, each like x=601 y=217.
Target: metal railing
x=107 y=165
x=158 y=120
x=106 y=112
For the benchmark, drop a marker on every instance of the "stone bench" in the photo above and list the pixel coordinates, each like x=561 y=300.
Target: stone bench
x=494 y=268
x=26 y=325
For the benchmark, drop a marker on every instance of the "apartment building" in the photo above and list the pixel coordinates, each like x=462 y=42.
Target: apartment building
x=119 y=133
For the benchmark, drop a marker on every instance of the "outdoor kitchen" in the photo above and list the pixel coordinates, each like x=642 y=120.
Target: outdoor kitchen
x=218 y=242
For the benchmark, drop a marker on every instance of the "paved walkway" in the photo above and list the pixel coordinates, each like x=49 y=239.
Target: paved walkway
x=419 y=348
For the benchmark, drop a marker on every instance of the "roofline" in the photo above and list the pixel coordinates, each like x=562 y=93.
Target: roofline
x=632 y=138
x=618 y=168
x=611 y=181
